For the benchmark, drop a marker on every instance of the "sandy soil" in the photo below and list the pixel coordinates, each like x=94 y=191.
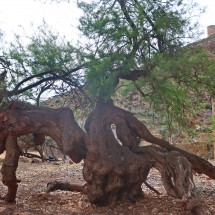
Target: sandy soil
x=32 y=198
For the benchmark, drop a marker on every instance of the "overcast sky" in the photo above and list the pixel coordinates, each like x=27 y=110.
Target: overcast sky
x=63 y=17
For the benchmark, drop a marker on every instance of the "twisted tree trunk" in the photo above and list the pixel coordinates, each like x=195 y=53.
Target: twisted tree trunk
x=9 y=167
x=113 y=173
x=115 y=166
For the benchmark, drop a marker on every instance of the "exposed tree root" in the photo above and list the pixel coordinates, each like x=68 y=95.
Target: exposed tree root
x=58 y=185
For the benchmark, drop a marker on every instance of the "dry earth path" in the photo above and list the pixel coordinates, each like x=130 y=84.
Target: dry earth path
x=33 y=200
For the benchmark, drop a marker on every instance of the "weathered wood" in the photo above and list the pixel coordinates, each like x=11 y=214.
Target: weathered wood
x=130 y=131
x=175 y=170
x=111 y=168
x=199 y=164
x=113 y=173
x=21 y=118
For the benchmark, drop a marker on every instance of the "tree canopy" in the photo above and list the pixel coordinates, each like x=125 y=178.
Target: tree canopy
x=145 y=43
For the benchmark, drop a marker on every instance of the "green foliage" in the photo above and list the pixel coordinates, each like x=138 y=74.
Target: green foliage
x=145 y=43
x=129 y=35
x=45 y=51
x=213 y=122
x=175 y=87
x=46 y=59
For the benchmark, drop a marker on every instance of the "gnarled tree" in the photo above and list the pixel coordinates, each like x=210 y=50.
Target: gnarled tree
x=114 y=165
x=136 y=40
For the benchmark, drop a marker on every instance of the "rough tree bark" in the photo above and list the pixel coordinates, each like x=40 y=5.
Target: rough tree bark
x=199 y=164
x=113 y=171
x=9 y=167
x=130 y=130
x=175 y=170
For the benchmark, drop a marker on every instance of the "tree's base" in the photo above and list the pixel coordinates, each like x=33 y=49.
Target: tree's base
x=116 y=167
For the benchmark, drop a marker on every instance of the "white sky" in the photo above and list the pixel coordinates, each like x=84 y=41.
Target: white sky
x=208 y=18
x=63 y=17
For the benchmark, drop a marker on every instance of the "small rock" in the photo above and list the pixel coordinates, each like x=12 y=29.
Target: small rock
x=87 y=205
x=80 y=204
x=155 y=211
x=138 y=203
x=2 y=209
x=130 y=207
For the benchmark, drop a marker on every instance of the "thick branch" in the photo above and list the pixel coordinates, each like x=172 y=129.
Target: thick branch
x=59 y=124
x=199 y=164
x=54 y=77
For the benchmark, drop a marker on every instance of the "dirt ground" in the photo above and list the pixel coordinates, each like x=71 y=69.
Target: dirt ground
x=32 y=198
